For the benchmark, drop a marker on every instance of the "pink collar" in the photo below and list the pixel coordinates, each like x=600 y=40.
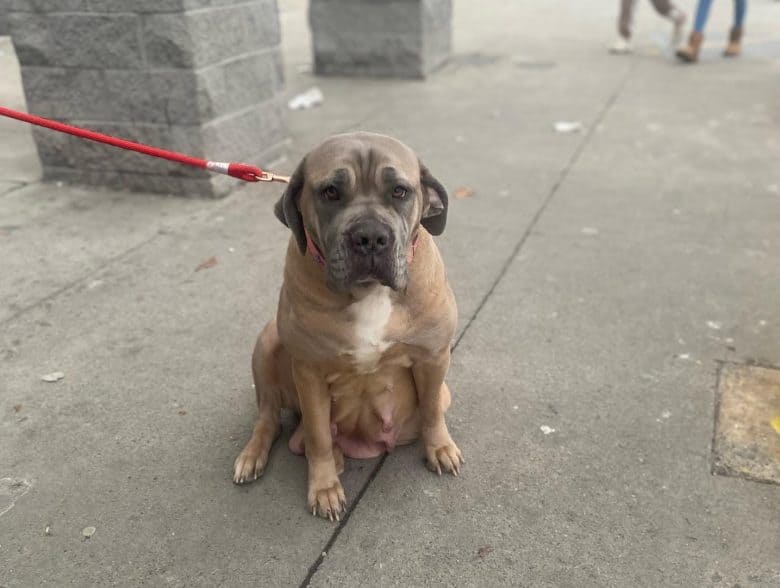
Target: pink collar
x=320 y=258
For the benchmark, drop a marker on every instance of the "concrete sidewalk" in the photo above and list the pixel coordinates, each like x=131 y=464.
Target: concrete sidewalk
x=589 y=269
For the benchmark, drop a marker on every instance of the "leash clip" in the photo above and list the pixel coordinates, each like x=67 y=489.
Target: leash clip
x=267 y=176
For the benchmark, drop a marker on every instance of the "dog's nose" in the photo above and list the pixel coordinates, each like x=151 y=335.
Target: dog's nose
x=370 y=237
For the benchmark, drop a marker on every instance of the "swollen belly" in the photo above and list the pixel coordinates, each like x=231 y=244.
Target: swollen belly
x=370 y=414
x=359 y=448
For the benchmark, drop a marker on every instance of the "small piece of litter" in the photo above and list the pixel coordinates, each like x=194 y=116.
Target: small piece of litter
x=182 y=412
x=666 y=414
x=463 y=192
x=565 y=126
x=716 y=325
x=53 y=377
x=324 y=553
x=684 y=356
x=206 y=264
x=47 y=531
x=775 y=422
x=589 y=231
x=308 y=99
x=232 y=249
x=515 y=407
x=762 y=323
x=546 y=430
x=87 y=532
x=484 y=550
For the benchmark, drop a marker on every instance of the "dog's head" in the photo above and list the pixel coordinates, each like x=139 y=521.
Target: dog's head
x=361 y=198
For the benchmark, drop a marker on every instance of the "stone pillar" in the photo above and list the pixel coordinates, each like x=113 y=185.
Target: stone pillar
x=199 y=76
x=383 y=38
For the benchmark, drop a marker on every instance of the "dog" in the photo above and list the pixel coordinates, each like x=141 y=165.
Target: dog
x=360 y=345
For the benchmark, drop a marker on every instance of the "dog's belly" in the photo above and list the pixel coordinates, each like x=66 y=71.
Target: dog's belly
x=372 y=413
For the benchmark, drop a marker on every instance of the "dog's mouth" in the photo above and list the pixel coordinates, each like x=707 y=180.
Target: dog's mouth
x=347 y=269
x=368 y=269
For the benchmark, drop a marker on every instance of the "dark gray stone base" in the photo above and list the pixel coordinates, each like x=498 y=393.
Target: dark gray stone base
x=193 y=76
x=380 y=38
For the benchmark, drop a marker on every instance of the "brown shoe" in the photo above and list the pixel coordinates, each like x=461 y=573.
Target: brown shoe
x=734 y=48
x=690 y=52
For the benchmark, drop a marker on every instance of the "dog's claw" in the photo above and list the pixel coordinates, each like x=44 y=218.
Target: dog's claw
x=446 y=457
x=248 y=467
x=329 y=502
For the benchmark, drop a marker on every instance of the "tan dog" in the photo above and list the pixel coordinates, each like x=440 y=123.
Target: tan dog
x=361 y=341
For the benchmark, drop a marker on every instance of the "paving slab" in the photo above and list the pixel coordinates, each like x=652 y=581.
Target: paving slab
x=18 y=156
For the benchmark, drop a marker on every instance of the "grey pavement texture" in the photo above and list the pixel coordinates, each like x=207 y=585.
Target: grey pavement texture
x=601 y=277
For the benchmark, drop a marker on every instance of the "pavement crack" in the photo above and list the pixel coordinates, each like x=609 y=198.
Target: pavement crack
x=72 y=284
x=314 y=568
x=546 y=202
x=340 y=527
x=19 y=185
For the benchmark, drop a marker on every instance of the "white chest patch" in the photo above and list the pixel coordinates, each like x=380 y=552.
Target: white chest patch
x=371 y=315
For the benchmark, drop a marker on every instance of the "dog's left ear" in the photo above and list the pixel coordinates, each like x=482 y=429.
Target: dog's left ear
x=435 y=202
x=286 y=209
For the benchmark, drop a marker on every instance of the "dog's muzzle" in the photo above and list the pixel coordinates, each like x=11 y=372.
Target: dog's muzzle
x=367 y=252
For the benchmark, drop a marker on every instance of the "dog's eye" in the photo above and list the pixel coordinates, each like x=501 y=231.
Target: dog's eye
x=399 y=192
x=330 y=193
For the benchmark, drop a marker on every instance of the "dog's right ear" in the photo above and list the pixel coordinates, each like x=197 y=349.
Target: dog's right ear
x=287 y=208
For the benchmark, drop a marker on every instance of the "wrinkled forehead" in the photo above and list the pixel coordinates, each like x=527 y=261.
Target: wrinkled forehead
x=361 y=163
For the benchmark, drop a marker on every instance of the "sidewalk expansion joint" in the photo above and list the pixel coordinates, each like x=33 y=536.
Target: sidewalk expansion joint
x=502 y=272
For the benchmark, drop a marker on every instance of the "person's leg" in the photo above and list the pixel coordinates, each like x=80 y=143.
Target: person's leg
x=622 y=44
x=667 y=9
x=740 y=8
x=702 y=13
x=690 y=52
x=662 y=7
x=734 y=46
x=626 y=18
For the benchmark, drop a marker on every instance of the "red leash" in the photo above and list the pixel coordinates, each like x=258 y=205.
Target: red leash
x=242 y=171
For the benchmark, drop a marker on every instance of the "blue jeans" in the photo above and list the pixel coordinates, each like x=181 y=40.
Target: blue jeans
x=703 y=11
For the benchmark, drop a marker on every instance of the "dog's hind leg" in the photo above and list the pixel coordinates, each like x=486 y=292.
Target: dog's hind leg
x=268 y=366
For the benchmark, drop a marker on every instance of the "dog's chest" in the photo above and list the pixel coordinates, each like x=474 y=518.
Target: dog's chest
x=370 y=318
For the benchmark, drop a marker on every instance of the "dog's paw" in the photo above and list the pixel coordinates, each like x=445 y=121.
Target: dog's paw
x=445 y=457
x=327 y=500
x=248 y=467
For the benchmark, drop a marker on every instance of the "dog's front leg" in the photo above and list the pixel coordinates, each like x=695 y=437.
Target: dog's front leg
x=441 y=453
x=326 y=495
